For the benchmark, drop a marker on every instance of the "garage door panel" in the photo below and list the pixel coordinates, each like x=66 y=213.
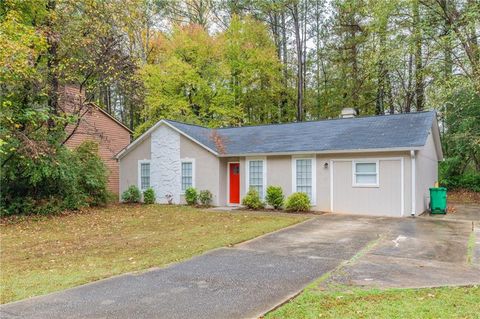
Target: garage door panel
x=384 y=200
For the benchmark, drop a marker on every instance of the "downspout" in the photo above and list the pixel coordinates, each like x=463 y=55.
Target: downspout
x=414 y=173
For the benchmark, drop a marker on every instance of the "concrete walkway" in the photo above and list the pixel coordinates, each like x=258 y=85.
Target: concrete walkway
x=251 y=278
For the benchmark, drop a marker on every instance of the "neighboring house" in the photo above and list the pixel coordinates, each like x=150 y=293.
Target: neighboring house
x=376 y=165
x=97 y=125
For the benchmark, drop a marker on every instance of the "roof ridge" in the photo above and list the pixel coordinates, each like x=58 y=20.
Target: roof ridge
x=303 y=122
x=191 y=124
x=330 y=119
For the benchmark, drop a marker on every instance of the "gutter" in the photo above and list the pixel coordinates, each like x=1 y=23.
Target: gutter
x=344 y=151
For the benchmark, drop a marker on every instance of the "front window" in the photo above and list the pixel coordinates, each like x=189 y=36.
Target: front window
x=255 y=176
x=144 y=175
x=304 y=176
x=187 y=175
x=366 y=173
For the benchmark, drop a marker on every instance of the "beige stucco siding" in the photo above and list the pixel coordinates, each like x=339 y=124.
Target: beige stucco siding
x=427 y=173
x=382 y=200
x=353 y=199
x=207 y=167
x=407 y=184
x=323 y=183
x=279 y=172
x=129 y=164
x=222 y=182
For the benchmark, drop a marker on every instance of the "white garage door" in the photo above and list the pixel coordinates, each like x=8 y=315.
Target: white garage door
x=368 y=187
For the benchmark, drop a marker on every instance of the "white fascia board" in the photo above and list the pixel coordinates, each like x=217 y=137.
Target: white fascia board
x=137 y=141
x=437 y=139
x=132 y=145
x=371 y=150
x=191 y=138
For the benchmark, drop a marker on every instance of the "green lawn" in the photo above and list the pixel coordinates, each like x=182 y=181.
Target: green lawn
x=41 y=255
x=461 y=302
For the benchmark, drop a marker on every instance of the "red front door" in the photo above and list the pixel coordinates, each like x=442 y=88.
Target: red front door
x=234 y=173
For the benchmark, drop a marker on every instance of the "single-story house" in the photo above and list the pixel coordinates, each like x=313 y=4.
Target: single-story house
x=374 y=165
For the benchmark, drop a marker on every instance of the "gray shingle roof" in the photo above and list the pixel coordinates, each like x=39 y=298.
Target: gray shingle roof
x=372 y=132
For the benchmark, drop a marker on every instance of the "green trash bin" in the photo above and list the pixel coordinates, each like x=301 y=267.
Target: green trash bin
x=438 y=200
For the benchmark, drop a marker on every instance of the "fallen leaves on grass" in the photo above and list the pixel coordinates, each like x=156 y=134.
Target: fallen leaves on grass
x=41 y=254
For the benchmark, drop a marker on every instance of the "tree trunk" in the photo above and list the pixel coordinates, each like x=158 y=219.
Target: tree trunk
x=448 y=63
x=284 y=101
x=52 y=64
x=317 y=60
x=354 y=61
x=388 y=85
x=408 y=93
x=299 y=51
x=466 y=33
x=304 y=46
x=417 y=33
x=381 y=73
x=132 y=115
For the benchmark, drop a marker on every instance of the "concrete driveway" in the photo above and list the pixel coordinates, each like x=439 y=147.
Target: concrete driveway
x=251 y=278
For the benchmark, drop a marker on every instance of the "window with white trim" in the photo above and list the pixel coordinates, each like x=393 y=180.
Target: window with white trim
x=144 y=175
x=365 y=173
x=304 y=176
x=255 y=176
x=187 y=175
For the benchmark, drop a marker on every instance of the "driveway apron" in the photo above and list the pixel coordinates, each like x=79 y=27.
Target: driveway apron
x=416 y=253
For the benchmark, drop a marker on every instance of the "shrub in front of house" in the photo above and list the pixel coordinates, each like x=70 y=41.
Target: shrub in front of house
x=275 y=197
x=64 y=180
x=149 y=196
x=205 y=197
x=131 y=195
x=252 y=200
x=298 y=202
x=93 y=174
x=191 y=196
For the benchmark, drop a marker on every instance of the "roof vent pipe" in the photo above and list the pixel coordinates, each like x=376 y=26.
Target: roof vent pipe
x=348 y=112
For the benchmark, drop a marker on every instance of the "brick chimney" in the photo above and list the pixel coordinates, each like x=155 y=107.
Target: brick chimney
x=70 y=98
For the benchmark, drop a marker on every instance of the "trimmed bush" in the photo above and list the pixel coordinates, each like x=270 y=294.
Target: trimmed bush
x=275 y=197
x=298 y=202
x=149 y=196
x=252 y=200
x=191 y=196
x=205 y=197
x=131 y=195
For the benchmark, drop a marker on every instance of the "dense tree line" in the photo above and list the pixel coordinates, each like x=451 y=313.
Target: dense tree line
x=237 y=62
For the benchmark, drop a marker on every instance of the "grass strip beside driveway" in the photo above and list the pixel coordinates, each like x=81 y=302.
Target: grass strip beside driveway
x=42 y=255
x=348 y=302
